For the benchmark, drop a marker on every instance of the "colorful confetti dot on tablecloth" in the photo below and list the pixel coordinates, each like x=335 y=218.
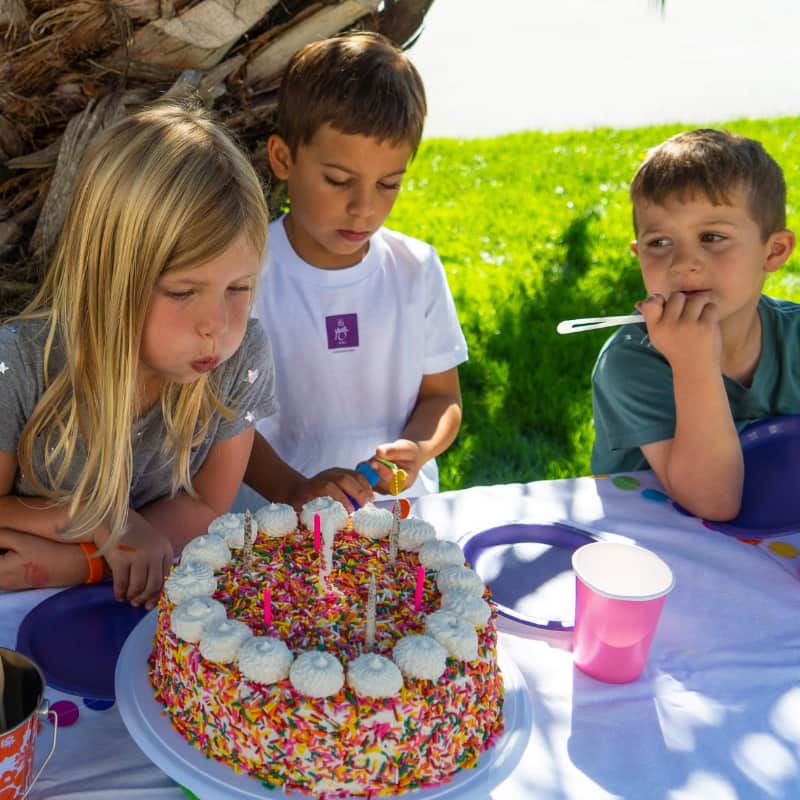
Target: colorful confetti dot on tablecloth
x=192 y=795
x=625 y=482
x=783 y=549
x=748 y=541
x=96 y=704
x=655 y=496
x=66 y=711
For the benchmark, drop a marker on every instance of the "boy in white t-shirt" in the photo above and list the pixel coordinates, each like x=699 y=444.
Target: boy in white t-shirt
x=362 y=323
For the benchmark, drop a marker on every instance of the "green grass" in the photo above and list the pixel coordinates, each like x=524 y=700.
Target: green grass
x=534 y=228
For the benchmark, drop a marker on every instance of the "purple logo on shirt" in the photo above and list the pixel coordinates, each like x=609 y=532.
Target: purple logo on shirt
x=342 y=331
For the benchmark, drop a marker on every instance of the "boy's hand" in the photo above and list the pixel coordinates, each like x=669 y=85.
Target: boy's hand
x=33 y=562
x=139 y=561
x=341 y=484
x=684 y=328
x=403 y=452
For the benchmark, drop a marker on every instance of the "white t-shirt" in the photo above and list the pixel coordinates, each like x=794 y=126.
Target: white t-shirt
x=351 y=347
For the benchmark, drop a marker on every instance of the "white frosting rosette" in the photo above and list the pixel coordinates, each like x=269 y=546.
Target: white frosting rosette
x=316 y=674
x=453 y=577
x=276 y=519
x=414 y=532
x=474 y=609
x=222 y=640
x=264 y=659
x=420 y=656
x=330 y=512
x=453 y=633
x=210 y=548
x=371 y=675
x=191 y=617
x=190 y=579
x=231 y=528
x=437 y=554
x=372 y=522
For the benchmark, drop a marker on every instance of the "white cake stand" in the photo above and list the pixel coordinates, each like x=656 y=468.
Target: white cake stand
x=212 y=780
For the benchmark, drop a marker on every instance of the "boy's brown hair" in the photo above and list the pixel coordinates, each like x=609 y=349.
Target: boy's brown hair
x=714 y=164
x=359 y=83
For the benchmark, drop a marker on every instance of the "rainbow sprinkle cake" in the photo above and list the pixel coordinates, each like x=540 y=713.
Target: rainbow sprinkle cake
x=408 y=712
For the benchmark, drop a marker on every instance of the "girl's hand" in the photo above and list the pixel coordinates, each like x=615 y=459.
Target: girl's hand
x=403 y=452
x=33 y=562
x=140 y=561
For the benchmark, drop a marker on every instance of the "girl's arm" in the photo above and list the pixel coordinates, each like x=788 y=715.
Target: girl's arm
x=142 y=557
x=183 y=517
x=431 y=428
x=36 y=515
x=34 y=554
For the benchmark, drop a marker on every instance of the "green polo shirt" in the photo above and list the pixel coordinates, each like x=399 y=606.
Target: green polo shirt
x=634 y=401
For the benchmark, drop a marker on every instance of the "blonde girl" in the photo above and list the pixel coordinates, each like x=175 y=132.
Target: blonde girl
x=130 y=385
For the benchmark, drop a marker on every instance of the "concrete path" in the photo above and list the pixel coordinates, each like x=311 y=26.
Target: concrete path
x=561 y=64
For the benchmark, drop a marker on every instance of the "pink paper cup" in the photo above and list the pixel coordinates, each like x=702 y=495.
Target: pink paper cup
x=620 y=591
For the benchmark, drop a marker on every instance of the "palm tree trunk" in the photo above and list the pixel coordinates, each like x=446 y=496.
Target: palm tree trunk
x=69 y=69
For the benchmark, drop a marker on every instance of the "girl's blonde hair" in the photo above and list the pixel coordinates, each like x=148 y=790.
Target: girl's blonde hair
x=164 y=189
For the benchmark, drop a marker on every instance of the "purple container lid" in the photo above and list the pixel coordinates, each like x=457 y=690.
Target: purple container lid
x=76 y=635
x=518 y=578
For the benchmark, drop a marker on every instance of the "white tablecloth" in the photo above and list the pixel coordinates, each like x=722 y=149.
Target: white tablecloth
x=715 y=716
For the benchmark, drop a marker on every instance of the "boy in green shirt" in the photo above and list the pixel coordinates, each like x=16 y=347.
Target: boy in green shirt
x=712 y=354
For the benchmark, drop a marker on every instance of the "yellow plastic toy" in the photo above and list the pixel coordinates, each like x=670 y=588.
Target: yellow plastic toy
x=399 y=476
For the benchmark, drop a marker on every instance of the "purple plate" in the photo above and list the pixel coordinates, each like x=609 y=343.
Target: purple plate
x=529 y=568
x=771 y=492
x=75 y=636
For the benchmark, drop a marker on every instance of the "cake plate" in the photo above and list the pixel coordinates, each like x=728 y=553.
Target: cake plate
x=151 y=729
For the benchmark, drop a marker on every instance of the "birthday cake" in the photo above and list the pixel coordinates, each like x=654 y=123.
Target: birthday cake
x=338 y=657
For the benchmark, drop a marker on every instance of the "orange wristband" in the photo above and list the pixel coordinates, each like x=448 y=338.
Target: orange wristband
x=94 y=561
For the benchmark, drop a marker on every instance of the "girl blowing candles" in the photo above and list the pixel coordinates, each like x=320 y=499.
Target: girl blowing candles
x=130 y=385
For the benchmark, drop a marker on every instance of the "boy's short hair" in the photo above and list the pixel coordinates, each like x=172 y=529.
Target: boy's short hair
x=359 y=83
x=714 y=164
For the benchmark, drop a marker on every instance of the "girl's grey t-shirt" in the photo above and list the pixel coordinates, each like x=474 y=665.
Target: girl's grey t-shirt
x=245 y=383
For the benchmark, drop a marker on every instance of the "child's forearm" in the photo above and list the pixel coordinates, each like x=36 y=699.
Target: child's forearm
x=436 y=418
x=34 y=562
x=39 y=516
x=180 y=519
x=269 y=474
x=434 y=425
x=705 y=468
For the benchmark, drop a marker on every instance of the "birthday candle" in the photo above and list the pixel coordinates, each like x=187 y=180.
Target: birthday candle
x=372 y=597
x=249 y=538
x=267 y=607
x=394 y=534
x=316 y=533
x=328 y=536
x=418 y=588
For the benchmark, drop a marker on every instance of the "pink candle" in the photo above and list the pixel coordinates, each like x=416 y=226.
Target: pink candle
x=418 y=589
x=267 y=606
x=317 y=543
